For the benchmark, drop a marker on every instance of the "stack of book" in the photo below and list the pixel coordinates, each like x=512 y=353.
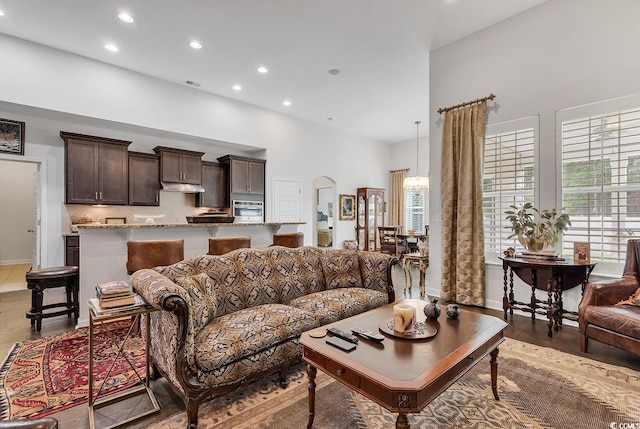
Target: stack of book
x=115 y=297
x=116 y=293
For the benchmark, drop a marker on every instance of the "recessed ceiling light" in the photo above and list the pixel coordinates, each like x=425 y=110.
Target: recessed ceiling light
x=286 y=103
x=334 y=71
x=111 y=47
x=262 y=69
x=195 y=44
x=125 y=17
x=237 y=87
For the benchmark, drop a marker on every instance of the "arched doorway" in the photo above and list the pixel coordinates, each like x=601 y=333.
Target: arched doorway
x=324 y=201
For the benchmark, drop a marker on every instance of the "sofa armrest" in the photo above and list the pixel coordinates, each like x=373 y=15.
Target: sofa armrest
x=172 y=338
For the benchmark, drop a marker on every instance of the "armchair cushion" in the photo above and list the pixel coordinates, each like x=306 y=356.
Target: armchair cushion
x=633 y=299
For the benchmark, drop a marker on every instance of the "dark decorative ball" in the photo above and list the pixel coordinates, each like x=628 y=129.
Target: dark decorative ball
x=453 y=311
x=432 y=310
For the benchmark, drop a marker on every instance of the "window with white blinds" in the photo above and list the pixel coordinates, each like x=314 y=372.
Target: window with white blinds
x=508 y=177
x=414 y=215
x=601 y=181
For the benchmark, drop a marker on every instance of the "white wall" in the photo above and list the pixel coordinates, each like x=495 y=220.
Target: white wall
x=16 y=217
x=560 y=54
x=51 y=91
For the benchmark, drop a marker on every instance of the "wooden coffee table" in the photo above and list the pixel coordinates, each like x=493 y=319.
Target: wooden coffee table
x=405 y=375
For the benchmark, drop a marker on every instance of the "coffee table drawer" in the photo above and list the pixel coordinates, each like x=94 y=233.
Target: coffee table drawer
x=345 y=374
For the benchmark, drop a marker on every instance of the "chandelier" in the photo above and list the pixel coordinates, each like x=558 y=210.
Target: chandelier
x=417 y=183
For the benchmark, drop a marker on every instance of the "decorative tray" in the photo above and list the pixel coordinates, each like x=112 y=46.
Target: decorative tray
x=420 y=330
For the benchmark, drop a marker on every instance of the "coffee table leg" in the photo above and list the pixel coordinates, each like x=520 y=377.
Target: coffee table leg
x=402 y=422
x=311 y=375
x=494 y=372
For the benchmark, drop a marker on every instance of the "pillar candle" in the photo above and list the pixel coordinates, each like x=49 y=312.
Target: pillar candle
x=404 y=316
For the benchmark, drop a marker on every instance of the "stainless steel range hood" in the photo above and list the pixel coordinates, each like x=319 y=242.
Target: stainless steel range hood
x=187 y=188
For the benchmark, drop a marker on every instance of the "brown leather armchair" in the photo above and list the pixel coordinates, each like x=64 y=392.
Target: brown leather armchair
x=601 y=320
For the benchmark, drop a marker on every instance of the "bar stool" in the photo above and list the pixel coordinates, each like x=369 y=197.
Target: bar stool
x=222 y=245
x=153 y=253
x=290 y=239
x=49 y=278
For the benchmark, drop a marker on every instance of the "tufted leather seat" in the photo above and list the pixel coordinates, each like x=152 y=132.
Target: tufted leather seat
x=292 y=239
x=153 y=253
x=48 y=278
x=222 y=245
x=598 y=316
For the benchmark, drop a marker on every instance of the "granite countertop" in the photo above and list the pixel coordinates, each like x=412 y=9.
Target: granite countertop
x=181 y=225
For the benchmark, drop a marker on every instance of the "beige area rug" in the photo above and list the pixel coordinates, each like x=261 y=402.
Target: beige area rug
x=538 y=387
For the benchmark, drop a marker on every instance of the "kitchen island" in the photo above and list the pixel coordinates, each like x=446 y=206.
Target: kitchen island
x=103 y=248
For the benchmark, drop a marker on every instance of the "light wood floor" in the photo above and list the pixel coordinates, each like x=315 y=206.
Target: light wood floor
x=15 y=327
x=12 y=277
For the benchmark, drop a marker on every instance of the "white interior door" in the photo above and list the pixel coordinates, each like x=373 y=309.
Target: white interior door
x=287 y=200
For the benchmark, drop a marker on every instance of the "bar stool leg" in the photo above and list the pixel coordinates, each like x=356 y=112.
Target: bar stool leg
x=33 y=305
x=38 y=307
x=76 y=299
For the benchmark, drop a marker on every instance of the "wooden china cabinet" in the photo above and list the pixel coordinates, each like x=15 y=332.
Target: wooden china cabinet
x=369 y=216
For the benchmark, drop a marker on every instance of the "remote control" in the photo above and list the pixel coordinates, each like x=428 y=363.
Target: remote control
x=378 y=338
x=341 y=344
x=344 y=335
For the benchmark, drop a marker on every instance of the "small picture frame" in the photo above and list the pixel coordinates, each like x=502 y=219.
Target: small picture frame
x=115 y=220
x=11 y=137
x=347 y=207
x=581 y=252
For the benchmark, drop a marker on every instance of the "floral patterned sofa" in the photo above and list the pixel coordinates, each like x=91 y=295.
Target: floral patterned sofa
x=225 y=321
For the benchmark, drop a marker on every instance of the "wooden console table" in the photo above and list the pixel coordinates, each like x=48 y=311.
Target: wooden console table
x=551 y=276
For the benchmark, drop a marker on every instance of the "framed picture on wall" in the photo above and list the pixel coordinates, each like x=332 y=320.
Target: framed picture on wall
x=11 y=136
x=347 y=207
x=581 y=252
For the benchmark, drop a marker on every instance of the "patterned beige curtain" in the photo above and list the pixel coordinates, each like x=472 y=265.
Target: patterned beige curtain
x=396 y=197
x=463 y=272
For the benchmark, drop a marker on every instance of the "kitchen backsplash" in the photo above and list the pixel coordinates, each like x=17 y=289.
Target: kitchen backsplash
x=175 y=206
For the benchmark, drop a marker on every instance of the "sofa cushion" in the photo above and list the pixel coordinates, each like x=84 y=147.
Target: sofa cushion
x=200 y=289
x=341 y=269
x=334 y=304
x=624 y=319
x=229 y=338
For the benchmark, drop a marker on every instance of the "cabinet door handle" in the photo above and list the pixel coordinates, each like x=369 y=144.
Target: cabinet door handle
x=96 y=195
x=156 y=198
x=101 y=195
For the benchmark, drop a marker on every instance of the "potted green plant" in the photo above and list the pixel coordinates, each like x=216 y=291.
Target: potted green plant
x=536 y=229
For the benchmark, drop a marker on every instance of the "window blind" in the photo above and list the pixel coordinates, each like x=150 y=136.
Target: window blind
x=508 y=177
x=414 y=210
x=601 y=182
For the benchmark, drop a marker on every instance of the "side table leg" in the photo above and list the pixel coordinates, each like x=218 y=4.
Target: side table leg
x=494 y=372
x=550 y=309
x=311 y=375
x=505 y=298
x=402 y=422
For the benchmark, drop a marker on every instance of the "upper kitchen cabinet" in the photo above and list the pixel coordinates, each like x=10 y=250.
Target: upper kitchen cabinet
x=214 y=182
x=246 y=175
x=96 y=169
x=144 y=183
x=179 y=166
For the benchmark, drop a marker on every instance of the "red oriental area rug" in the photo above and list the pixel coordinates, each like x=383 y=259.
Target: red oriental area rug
x=50 y=374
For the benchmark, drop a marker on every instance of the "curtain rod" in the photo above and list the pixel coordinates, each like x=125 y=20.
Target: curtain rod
x=467 y=103
x=397 y=171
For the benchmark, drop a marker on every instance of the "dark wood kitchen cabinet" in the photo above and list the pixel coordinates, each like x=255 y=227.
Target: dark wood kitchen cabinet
x=144 y=179
x=214 y=182
x=246 y=175
x=96 y=169
x=179 y=165
x=72 y=250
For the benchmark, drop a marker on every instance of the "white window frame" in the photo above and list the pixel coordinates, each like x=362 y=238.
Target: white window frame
x=412 y=208
x=496 y=228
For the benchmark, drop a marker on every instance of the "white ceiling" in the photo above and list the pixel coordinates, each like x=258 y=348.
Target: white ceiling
x=381 y=48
